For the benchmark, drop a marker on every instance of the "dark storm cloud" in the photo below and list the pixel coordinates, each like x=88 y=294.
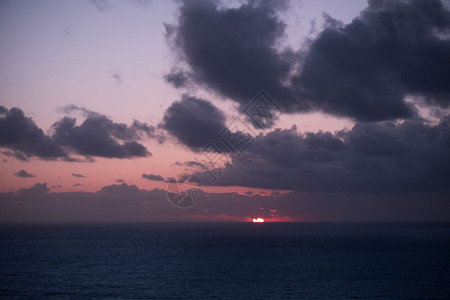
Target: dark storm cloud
x=377 y=158
x=78 y=175
x=194 y=122
x=96 y=136
x=233 y=51
x=24 y=174
x=21 y=135
x=363 y=70
x=99 y=136
x=153 y=177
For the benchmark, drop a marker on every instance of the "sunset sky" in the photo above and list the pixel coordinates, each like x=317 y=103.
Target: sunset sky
x=105 y=104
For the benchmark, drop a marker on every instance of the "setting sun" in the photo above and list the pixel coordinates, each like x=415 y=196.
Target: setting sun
x=258 y=220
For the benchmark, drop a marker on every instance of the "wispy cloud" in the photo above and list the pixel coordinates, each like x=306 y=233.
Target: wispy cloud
x=153 y=177
x=78 y=175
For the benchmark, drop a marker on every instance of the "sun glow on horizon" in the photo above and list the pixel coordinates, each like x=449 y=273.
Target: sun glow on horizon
x=258 y=220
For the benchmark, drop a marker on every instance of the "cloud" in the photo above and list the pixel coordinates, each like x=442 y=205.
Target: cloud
x=78 y=175
x=177 y=78
x=153 y=177
x=21 y=135
x=120 y=189
x=191 y=163
x=24 y=174
x=171 y=180
x=121 y=131
x=77 y=184
x=201 y=126
x=129 y=203
x=72 y=108
x=233 y=50
x=38 y=204
x=17 y=155
x=99 y=136
x=36 y=190
x=194 y=122
x=116 y=77
x=118 y=130
x=365 y=70
x=411 y=157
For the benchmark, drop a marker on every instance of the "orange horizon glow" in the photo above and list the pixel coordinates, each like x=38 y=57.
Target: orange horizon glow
x=258 y=220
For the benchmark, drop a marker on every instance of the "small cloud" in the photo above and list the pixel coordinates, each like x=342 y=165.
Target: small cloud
x=72 y=108
x=177 y=79
x=193 y=163
x=77 y=184
x=153 y=177
x=58 y=186
x=117 y=77
x=190 y=163
x=24 y=174
x=78 y=175
x=120 y=180
x=171 y=180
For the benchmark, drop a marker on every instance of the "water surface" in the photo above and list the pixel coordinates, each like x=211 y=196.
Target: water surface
x=225 y=261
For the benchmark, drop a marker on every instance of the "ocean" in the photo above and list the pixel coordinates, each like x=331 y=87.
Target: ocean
x=225 y=261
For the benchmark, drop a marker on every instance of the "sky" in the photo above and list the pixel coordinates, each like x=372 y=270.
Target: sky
x=152 y=110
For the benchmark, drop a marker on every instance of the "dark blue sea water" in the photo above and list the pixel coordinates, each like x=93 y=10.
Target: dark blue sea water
x=225 y=261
